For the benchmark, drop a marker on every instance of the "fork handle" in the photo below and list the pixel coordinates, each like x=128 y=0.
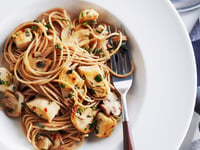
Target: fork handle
x=128 y=138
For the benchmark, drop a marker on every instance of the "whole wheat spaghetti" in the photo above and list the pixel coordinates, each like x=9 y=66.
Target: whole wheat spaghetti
x=59 y=78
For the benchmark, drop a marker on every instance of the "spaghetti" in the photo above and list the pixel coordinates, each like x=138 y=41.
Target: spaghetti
x=62 y=78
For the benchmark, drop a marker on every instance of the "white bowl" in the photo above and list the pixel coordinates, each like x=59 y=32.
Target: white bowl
x=162 y=97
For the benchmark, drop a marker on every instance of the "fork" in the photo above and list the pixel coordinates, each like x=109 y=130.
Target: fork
x=121 y=64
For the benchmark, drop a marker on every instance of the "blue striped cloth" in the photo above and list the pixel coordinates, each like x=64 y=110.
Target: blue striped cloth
x=195 y=38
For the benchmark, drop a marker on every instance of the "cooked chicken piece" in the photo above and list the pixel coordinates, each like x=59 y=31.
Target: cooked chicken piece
x=111 y=105
x=105 y=125
x=95 y=81
x=66 y=34
x=23 y=38
x=43 y=142
x=6 y=79
x=83 y=118
x=73 y=79
x=13 y=103
x=88 y=15
x=44 y=108
x=38 y=63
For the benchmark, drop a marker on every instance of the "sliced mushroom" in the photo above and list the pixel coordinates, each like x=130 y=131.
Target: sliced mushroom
x=6 y=79
x=88 y=15
x=13 y=103
x=23 y=38
x=44 y=108
x=83 y=118
x=105 y=125
x=94 y=80
x=43 y=142
x=111 y=105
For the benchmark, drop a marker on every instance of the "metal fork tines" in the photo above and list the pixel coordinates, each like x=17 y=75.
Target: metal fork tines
x=122 y=65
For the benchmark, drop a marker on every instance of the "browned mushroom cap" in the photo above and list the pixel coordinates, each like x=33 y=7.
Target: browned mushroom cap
x=111 y=105
x=83 y=118
x=13 y=103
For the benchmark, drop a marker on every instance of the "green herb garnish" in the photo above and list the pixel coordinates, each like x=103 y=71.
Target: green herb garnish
x=92 y=125
x=36 y=21
x=39 y=125
x=95 y=50
x=80 y=110
x=99 y=51
x=69 y=71
x=84 y=77
x=40 y=64
x=1 y=81
x=23 y=104
x=98 y=78
x=98 y=31
x=7 y=83
x=62 y=85
x=34 y=28
x=69 y=96
x=48 y=26
x=57 y=46
x=85 y=23
x=82 y=14
x=27 y=32
x=63 y=19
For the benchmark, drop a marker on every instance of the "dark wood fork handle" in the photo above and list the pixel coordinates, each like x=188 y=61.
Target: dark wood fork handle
x=128 y=138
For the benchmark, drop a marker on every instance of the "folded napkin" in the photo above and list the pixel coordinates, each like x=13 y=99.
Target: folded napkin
x=195 y=38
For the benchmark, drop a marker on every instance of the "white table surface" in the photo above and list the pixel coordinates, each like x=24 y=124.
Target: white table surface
x=189 y=19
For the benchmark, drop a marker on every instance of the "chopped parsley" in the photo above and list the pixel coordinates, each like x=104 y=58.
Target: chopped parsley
x=48 y=26
x=82 y=14
x=85 y=23
x=34 y=28
x=14 y=88
x=93 y=124
x=40 y=64
x=92 y=22
x=1 y=81
x=36 y=21
x=98 y=31
x=84 y=77
x=39 y=125
x=7 y=83
x=69 y=71
x=62 y=85
x=63 y=19
x=94 y=108
x=23 y=104
x=69 y=96
x=99 y=51
x=95 y=50
x=27 y=32
x=80 y=110
x=98 y=78
x=57 y=46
